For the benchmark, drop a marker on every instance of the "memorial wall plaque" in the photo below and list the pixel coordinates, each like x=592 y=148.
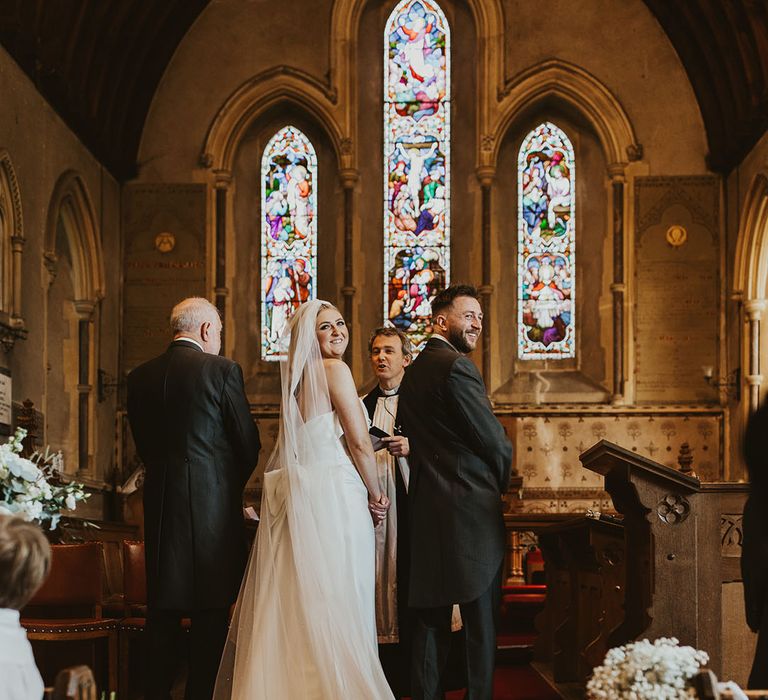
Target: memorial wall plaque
x=677 y=287
x=164 y=262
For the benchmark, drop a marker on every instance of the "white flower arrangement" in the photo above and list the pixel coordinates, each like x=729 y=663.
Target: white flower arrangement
x=31 y=488
x=659 y=670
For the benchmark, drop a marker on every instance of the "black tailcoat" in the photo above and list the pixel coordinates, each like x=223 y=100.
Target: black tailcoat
x=460 y=465
x=193 y=430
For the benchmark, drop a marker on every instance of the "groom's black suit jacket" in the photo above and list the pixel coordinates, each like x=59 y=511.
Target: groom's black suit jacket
x=460 y=466
x=193 y=430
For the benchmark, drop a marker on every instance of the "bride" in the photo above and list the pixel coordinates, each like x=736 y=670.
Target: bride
x=304 y=624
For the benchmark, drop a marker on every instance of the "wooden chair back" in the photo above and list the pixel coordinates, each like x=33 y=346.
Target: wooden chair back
x=74 y=579
x=134 y=573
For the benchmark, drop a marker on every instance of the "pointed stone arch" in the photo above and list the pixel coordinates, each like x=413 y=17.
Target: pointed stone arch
x=750 y=274
x=580 y=90
x=750 y=280
x=72 y=204
x=12 y=325
x=255 y=97
x=71 y=207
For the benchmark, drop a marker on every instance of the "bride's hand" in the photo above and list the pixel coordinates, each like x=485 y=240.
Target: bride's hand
x=378 y=508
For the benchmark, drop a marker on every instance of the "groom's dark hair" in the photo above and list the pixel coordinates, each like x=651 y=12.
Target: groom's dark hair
x=445 y=299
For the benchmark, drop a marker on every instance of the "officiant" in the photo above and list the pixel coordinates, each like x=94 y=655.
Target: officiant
x=390 y=353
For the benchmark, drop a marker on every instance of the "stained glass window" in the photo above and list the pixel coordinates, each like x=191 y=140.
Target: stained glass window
x=417 y=119
x=546 y=240
x=289 y=232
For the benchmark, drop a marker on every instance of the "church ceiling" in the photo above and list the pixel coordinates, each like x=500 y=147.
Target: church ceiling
x=99 y=62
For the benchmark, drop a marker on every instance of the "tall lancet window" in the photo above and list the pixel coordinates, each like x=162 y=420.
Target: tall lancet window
x=546 y=241
x=417 y=121
x=289 y=233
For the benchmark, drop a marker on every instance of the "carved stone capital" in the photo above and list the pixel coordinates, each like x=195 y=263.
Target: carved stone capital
x=223 y=179
x=616 y=172
x=486 y=175
x=11 y=330
x=84 y=309
x=348 y=177
x=754 y=308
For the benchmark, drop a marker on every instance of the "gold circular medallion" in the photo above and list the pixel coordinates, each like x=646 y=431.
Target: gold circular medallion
x=676 y=236
x=165 y=241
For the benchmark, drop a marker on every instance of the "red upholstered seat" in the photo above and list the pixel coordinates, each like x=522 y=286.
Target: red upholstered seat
x=73 y=586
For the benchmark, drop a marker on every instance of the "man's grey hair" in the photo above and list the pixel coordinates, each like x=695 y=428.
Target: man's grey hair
x=188 y=315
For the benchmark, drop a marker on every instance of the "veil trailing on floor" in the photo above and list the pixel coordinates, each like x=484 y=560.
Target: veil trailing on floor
x=294 y=633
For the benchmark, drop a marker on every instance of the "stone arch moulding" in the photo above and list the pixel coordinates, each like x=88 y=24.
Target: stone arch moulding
x=577 y=87
x=750 y=275
x=71 y=201
x=258 y=94
x=489 y=24
x=12 y=326
x=750 y=279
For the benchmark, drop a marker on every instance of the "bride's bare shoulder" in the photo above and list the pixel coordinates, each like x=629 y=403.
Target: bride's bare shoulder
x=336 y=370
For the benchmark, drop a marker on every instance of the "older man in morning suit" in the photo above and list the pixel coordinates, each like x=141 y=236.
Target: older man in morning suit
x=460 y=466
x=193 y=430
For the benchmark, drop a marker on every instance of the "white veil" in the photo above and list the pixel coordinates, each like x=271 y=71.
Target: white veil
x=294 y=633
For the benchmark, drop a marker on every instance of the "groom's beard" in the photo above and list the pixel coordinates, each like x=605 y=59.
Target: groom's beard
x=460 y=341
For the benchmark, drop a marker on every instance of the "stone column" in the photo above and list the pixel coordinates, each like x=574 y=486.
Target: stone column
x=84 y=310
x=222 y=184
x=618 y=288
x=348 y=178
x=485 y=176
x=754 y=309
x=17 y=246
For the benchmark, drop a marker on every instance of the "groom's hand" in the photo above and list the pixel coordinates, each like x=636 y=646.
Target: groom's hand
x=397 y=445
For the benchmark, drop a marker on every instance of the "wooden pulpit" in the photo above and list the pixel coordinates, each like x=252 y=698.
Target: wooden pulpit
x=677 y=560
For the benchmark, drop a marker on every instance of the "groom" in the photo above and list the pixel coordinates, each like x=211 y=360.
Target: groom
x=193 y=430
x=460 y=466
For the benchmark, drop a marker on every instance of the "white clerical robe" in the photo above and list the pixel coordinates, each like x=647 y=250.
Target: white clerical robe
x=386 y=533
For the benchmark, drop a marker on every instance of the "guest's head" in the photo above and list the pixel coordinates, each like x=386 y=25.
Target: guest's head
x=332 y=332
x=25 y=557
x=391 y=352
x=457 y=316
x=196 y=318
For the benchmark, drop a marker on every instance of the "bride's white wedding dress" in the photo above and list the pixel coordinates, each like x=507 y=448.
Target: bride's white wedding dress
x=304 y=625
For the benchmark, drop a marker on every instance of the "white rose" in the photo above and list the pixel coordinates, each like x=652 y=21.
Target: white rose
x=4 y=510
x=70 y=502
x=23 y=468
x=32 y=509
